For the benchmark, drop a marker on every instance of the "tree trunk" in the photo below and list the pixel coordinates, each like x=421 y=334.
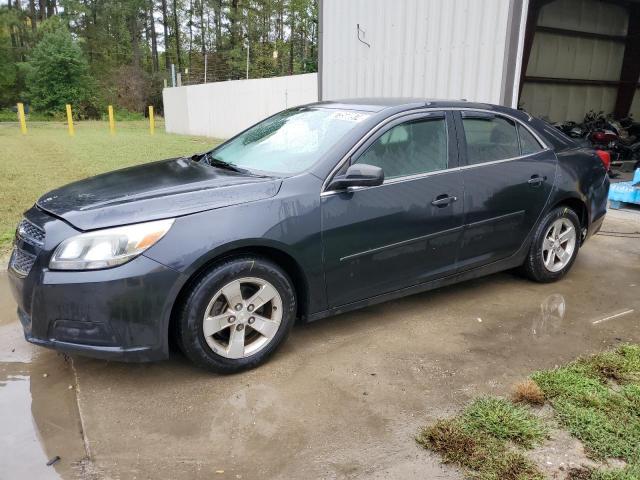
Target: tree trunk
x=147 y=30
x=190 y=34
x=43 y=10
x=235 y=43
x=51 y=8
x=14 y=41
x=292 y=25
x=217 y=20
x=280 y=29
x=203 y=30
x=154 y=41
x=165 y=26
x=32 y=15
x=233 y=24
x=176 y=24
x=135 y=39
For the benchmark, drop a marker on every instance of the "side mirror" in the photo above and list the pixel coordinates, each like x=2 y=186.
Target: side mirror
x=358 y=175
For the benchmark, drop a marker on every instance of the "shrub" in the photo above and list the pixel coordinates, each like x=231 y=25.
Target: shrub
x=58 y=74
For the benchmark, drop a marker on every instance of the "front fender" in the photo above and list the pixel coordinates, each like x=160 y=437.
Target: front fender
x=288 y=223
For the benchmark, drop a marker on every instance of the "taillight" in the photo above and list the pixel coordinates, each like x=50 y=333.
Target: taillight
x=605 y=157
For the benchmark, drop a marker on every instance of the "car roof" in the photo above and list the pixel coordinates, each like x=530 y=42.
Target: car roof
x=398 y=104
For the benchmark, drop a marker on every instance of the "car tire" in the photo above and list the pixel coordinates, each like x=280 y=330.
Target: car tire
x=211 y=321
x=550 y=259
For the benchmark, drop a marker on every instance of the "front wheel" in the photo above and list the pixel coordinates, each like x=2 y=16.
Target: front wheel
x=554 y=247
x=236 y=315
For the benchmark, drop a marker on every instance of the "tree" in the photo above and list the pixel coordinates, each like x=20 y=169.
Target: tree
x=59 y=74
x=176 y=33
x=8 y=67
x=165 y=27
x=124 y=53
x=154 y=41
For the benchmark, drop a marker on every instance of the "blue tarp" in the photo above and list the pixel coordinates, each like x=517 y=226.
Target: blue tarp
x=626 y=191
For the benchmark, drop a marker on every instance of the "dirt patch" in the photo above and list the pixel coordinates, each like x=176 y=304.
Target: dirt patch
x=579 y=474
x=559 y=454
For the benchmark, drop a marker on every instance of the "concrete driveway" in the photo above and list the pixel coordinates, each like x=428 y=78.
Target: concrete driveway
x=343 y=397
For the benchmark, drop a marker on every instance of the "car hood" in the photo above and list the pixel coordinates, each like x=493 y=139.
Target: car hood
x=153 y=191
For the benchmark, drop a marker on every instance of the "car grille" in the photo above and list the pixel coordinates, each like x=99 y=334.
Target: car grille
x=30 y=233
x=21 y=261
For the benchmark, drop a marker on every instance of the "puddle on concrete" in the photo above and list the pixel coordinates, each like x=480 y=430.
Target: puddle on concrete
x=551 y=317
x=20 y=436
x=38 y=412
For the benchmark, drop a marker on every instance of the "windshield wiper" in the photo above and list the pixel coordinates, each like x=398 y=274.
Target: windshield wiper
x=216 y=162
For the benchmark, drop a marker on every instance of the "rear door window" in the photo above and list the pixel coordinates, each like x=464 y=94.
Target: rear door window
x=528 y=143
x=490 y=138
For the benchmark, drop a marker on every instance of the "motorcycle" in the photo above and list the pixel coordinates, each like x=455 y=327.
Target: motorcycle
x=617 y=137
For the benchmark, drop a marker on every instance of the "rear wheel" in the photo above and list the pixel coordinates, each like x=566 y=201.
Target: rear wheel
x=555 y=246
x=236 y=315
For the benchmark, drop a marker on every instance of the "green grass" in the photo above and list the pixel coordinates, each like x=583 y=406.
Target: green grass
x=605 y=419
x=8 y=115
x=596 y=398
x=503 y=420
x=478 y=439
x=631 y=472
x=47 y=157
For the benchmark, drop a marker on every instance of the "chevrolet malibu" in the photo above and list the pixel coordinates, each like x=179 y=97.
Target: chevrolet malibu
x=317 y=210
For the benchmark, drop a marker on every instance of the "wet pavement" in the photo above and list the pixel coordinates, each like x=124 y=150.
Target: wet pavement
x=343 y=398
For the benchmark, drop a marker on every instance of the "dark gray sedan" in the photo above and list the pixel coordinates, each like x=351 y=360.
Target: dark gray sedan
x=317 y=210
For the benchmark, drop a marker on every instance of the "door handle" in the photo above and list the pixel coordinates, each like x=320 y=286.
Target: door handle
x=443 y=200
x=536 y=180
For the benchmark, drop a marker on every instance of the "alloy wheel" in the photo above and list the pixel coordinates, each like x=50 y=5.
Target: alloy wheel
x=559 y=244
x=242 y=317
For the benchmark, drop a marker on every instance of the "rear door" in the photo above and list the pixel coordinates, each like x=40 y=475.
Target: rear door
x=405 y=231
x=508 y=174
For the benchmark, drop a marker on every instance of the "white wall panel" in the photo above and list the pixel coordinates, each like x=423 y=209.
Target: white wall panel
x=423 y=48
x=222 y=109
x=176 y=112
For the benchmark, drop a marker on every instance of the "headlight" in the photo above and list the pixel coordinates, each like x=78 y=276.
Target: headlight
x=109 y=247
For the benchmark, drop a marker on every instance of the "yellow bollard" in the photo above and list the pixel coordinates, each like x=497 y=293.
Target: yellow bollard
x=23 y=122
x=72 y=132
x=152 y=121
x=112 y=123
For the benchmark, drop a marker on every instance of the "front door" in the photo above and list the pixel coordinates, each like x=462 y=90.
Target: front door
x=405 y=231
x=508 y=178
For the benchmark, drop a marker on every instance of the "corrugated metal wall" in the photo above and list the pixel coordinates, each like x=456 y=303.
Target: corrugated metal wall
x=426 y=48
x=560 y=56
x=635 y=106
x=586 y=16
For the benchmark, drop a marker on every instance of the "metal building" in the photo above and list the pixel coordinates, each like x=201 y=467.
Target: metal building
x=555 y=58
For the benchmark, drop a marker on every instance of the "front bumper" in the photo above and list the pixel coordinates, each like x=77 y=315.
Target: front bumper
x=120 y=313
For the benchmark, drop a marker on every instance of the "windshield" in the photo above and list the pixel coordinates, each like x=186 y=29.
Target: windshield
x=290 y=141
